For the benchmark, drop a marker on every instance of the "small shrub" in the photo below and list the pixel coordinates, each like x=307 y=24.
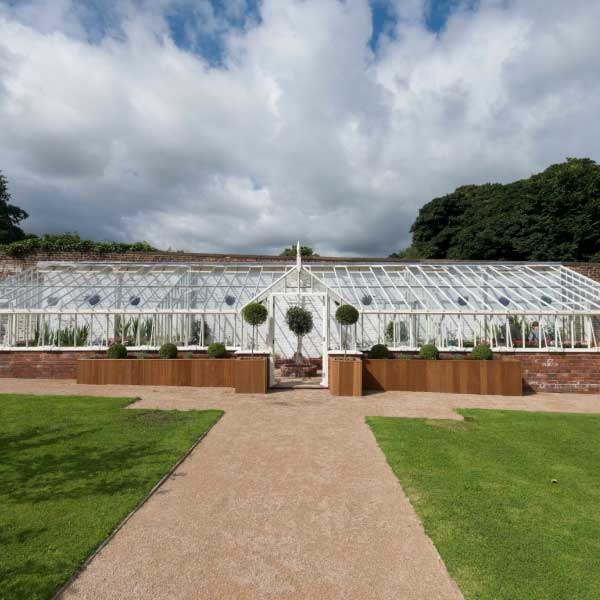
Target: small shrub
x=168 y=351
x=379 y=351
x=482 y=352
x=116 y=351
x=217 y=350
x=189 y=355
x=429 y=352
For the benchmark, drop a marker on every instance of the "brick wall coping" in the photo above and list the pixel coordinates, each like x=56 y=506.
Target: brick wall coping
x=179 y=257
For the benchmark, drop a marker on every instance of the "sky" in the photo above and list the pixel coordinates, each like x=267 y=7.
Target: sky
x=244 y=125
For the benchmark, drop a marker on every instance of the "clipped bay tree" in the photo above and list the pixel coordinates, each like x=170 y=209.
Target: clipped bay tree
x=346 y=315
x=300 y=322
x=254 y=314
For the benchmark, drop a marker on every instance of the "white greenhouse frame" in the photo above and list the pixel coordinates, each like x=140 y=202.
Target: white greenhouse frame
x=515 y=307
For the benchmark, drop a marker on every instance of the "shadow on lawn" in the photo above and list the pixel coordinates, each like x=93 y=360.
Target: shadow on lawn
x=73 y=469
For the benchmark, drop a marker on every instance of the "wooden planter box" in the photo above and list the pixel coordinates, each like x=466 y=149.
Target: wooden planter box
x=180 y=371
x=494 y=377
x=251 y=375
x=345 y=377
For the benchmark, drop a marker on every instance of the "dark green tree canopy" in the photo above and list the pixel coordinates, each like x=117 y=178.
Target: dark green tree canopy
x=299 y=320
x=69 y=242
x=553 y=215
x=304 y=251
x=10 y=216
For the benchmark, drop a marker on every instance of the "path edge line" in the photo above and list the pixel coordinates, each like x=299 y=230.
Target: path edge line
x=57 y=595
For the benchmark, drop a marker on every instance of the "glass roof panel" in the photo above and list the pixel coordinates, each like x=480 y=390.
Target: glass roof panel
x=449 y=287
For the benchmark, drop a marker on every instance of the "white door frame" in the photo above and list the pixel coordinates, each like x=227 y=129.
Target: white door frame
x=324 y=296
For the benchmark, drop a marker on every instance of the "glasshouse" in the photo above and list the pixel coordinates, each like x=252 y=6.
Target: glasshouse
x=518 y=307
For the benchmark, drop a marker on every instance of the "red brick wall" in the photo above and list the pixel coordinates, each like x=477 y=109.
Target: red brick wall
x=591 y=270
x=559 y=372
x=542 y=372
x=10 y=265
x=46 y=365
x=55 y=364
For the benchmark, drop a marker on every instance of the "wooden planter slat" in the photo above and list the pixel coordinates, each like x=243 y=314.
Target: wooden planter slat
x=345 y=377
x=251 y=376
x=494 y=377
x=205 y=372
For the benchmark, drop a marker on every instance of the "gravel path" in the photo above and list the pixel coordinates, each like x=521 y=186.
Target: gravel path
x=288 y=497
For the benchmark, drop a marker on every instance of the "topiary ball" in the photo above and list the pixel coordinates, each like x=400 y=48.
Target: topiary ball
x=299 y=320
x=168 y=351
x=217 y=350
x=429 y=352
x=346 y=314
x=379 y=351
x=482 y=352
x=116 y=351
x=255 y=313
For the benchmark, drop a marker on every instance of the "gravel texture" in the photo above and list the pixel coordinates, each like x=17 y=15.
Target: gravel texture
x=288 y=497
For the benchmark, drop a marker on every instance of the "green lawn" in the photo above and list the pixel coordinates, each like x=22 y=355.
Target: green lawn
x=483 y=489
x=71 y=468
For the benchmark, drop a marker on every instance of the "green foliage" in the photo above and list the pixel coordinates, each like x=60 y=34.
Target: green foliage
x=405 y=254
x=195 y=338
x=553 y=215
x=68 y=242
x=255 y=314
x=72 y=468
x=346 y=314
x=128 y=329
x=10 y=216
x=482 y=352
x=304 y=251
x=168 y=350
x=217 y=350
x=401 y=332
x=429 y=352
x=379 y=351
x=116 y=351
x=299 y=320
x=484 y=489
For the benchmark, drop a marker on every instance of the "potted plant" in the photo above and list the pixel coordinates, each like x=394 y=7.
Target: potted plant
x=300 y=322
x=254 y=314
x=345 y=375
x=346 y=315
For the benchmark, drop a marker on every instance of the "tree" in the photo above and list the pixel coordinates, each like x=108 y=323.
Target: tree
x=300 y=322
x=346 y=315
x=254 y=314
x=10 y=216
x=553 y=215
x=304 y=251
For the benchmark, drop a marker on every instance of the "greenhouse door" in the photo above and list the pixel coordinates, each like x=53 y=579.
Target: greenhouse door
x=284 y=343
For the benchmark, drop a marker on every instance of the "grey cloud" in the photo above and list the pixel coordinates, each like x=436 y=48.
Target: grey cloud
x=302 y=133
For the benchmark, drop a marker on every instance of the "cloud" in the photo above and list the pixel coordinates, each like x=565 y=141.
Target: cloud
x=121 y=128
